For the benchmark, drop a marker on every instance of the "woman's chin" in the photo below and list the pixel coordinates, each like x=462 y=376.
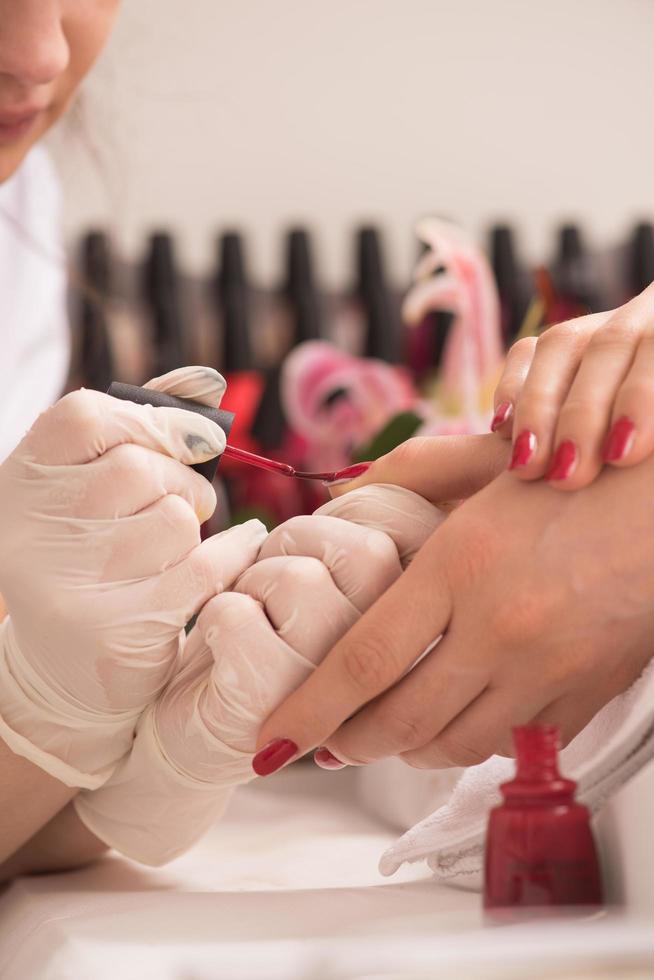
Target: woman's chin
x=11 y=157
x=14 y=151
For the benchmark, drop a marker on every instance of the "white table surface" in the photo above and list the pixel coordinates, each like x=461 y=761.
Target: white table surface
x=287 y=887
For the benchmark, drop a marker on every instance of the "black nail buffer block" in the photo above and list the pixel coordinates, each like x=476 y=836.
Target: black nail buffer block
x=147 y=396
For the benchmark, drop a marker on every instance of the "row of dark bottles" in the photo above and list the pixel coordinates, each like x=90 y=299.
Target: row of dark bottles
x=572 y=278
x=137 y=321
x=160 y=295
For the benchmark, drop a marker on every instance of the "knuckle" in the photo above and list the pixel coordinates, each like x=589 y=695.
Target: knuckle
x=300 y=572
x=404 y=732
x=568 y=334
x=365 y=664
x=202 y=569
x=130 y=461
x=616 y=335
x=551 y=337
x=177 y=512
x=224 y=614
x=458 y=752
x=79 y=410
x=522 y=347
x=282 y=539
x=405 y=454
x=379 y=549
x=578 y=412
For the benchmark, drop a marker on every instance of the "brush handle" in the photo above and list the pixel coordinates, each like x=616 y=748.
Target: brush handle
x=147 y=396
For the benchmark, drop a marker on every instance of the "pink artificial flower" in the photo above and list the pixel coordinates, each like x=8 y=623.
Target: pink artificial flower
x=454 y=275
x=337 y=402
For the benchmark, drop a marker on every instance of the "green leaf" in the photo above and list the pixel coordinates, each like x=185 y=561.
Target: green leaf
x=400 y=428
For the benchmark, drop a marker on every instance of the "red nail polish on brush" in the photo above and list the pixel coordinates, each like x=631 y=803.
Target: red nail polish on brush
x=349 y=473
x=540 y=850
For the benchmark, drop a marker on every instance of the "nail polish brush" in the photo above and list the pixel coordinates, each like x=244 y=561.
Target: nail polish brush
x=147 y=396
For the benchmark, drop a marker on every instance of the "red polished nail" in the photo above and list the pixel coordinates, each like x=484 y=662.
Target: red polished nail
x=504 y=412
x=349 y=473
x=273 y=756
x=523 y=449
x=619 y=440
x=324 y=758
x=565 y=461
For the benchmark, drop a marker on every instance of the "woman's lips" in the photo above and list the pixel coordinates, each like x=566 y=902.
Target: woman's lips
x=14 y=125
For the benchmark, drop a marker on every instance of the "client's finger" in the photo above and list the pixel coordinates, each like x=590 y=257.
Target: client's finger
x=439 y=468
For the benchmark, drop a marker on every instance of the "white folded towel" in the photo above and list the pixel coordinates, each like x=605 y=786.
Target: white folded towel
x=615 y=745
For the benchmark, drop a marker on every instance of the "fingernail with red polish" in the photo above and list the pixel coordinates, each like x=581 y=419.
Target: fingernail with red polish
x=565 y=461
x=273 y=756
x=349 y=473
x=503 y=413
x=619 y=440
x=523 y=449
x=324 y=758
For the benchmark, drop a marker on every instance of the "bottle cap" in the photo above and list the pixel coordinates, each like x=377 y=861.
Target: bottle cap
x=233 y=298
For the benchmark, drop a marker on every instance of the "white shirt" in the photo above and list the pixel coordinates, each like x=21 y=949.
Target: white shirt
x=34 y=337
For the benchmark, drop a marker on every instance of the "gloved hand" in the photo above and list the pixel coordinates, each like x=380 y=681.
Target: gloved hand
x=248 y=650
x=101 y=567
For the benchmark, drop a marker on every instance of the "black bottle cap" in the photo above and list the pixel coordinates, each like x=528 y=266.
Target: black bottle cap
x=299 y=261
x=571 y=244
x=300 y=287
x=96 y=261
x=160 y=274
x=269 y=425
x=233 y=299
x=370 y=263
x=161 y=285
x=147 y=396
x=641 y=258
x=503 y=259
x=94 y=353
x=514 y=282
x=572 y=270
x=383 y=324
x=231 y=272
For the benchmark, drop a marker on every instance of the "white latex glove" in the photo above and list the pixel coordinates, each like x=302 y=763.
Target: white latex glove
x=248 y=651
x=101 y=567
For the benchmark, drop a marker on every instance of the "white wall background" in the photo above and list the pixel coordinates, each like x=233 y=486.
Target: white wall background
x=259 y=113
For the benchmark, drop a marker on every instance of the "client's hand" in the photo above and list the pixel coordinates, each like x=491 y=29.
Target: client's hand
x=581 y=396
x=247 y=652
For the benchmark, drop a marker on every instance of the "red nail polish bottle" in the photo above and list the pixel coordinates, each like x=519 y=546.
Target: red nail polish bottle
x=540 y=850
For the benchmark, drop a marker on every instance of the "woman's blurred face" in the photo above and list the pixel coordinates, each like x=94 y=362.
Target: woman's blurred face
x=46 y=49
